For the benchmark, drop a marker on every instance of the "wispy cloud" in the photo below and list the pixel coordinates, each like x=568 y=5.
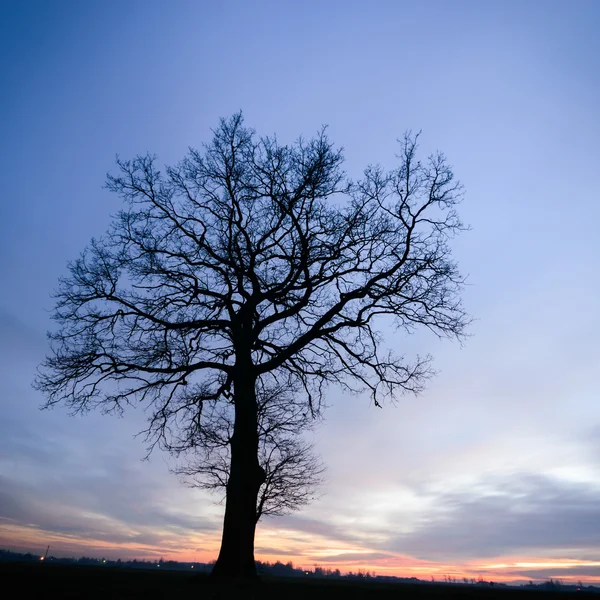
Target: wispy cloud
x=526 y=513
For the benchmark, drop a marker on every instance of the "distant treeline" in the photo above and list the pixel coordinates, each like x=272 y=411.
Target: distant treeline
x=279 y=569
x=9 y=556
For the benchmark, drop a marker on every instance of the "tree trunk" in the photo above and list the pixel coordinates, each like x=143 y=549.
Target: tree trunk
x=236 y=557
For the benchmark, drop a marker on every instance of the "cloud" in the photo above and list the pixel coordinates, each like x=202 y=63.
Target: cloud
x=555 y=520
x=113 y=517
x=526 y=513
x=572 y=572
x=315 y=527
x=355 y=558
x=273 y=551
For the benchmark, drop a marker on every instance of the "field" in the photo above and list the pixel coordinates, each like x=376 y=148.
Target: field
x=33 y=580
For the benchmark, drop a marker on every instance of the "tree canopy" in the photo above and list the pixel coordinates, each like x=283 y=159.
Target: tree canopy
x=251 y=263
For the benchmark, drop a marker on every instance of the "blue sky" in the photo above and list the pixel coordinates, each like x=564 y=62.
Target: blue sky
x=497 y=464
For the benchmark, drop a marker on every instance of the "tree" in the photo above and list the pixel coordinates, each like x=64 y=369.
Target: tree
x=253 y=261
x=292 y=471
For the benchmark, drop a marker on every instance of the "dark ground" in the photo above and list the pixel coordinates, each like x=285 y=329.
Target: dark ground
x=33 y=580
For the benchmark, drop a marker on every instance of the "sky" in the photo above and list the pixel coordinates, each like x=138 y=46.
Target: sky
x=494 y=470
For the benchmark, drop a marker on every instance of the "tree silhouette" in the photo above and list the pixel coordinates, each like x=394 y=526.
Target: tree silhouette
x=253 y=261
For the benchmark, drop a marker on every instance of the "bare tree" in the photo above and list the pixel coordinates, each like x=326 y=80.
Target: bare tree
x=251 y=259
x=292 y=470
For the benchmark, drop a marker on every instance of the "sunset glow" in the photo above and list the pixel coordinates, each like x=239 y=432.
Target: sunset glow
x=314 y=551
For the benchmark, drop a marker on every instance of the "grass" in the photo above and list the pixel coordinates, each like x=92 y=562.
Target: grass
x=33 y=580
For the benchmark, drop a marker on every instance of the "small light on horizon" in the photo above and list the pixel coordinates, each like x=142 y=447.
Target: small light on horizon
x=41 y=558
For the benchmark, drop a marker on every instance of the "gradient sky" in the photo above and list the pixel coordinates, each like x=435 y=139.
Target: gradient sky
x=495 y=469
